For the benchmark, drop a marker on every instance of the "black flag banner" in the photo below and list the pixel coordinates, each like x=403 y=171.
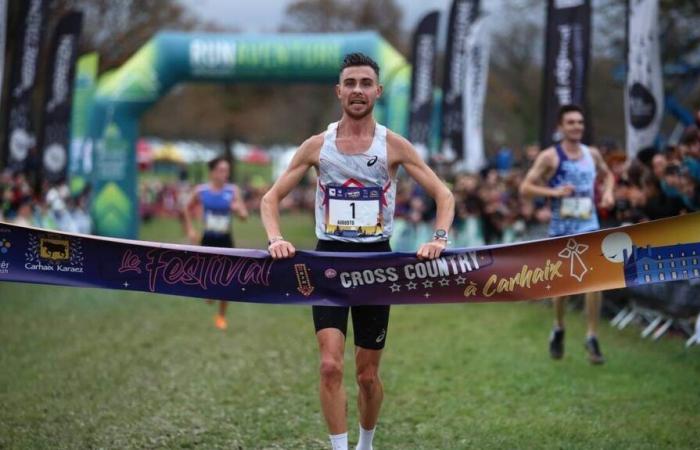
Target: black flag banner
x=462 y=14
x=20 y=139
x=567 y=50
x=3 y=32
x=422 y=81
x=57 y=103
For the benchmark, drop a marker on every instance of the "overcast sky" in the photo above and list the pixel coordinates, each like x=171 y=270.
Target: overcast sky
x=267 y=15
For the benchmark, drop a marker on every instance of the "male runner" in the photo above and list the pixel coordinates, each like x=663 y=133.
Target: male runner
x=218 y=200
x=360 y=157
x=567 y=174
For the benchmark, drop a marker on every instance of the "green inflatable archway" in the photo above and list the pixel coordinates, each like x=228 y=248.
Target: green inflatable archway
x=124 y=94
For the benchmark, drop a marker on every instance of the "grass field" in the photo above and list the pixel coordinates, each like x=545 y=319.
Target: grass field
x=85 y=368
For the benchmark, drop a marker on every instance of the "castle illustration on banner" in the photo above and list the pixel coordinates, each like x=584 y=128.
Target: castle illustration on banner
x=655 y=264
x=649 y=264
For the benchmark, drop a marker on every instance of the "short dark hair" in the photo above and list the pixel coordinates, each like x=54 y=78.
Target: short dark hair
x=359 y=59
x=565 y=109
x=215 y=162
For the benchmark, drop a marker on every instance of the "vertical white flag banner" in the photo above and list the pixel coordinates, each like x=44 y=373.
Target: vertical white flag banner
x=475 y=83
x=644 y=90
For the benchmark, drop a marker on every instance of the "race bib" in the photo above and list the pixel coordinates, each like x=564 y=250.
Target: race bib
x=217 y=223
x=353 y=211
x=576 y=208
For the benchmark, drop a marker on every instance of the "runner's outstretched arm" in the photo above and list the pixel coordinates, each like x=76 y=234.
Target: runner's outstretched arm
x=607 y=199
x=532 y=185
x=407 y=156
x=304 y=158
x=238 y=204
x=187 y=213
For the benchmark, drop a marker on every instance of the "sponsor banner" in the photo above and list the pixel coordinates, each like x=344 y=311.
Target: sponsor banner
x=475 y=82
x=58 y=97
x=644 y=86
x=20 y=139
x=635 y=255
x=462 y=14
x=567 y=51
x=422 y=81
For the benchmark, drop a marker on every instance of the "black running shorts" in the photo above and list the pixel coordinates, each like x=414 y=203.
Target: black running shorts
x=371 y=322
x=217 y=240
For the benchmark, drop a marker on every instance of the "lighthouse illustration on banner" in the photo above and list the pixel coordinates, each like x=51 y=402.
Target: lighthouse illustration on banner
x=644 y=265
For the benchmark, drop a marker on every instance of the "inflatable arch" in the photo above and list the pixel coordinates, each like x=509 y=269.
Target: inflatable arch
x=124 y=94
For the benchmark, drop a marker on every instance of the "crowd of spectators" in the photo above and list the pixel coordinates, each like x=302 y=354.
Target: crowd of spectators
x=159 y=198
x=49 y=206
x=489 y=210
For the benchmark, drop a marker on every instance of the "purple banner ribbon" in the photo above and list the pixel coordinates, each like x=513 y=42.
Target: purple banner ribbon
x=523 y=271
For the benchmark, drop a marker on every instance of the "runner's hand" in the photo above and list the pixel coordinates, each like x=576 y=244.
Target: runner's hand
x=563 y=191
x=607 y=201
x=432 y=249
x=281 y=249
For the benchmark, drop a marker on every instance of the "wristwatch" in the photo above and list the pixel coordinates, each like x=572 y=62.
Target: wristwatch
x=274 y=239
x=440 y=234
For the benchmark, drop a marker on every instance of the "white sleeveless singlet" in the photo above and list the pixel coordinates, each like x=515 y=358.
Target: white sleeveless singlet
x=355 y=194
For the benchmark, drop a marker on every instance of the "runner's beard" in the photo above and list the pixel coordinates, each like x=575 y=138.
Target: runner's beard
x=357 y=116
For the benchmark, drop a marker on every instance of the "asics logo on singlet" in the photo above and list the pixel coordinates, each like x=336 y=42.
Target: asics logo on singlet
x=381 y=337
x=371 y=162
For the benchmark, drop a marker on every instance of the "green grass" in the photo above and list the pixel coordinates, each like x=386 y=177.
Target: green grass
x=86 y=368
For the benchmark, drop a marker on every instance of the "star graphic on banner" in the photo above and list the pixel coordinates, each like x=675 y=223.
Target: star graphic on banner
x=427 y=284
x=126 y=284
x=243 y=289
x=444 y=282
x=286 y=294
x=411 y=285
x=426 y=295
x=395 y=287
x=460 y=280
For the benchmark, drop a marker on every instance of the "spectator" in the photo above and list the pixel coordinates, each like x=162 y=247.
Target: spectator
x=658 y=205
x=658 y=166
x=689 y=191
x=24 y=216
x=80 y=215
x=690 y=150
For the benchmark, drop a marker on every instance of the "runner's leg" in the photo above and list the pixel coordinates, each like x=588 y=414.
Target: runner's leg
x=556 y=337
x=331 y=343
x=370 y=393
x=220 y=319
x=593 y=302
x=559 y=311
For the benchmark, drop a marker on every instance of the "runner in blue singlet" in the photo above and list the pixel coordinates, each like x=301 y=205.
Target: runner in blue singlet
x=218 y=200
x=566 y=173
